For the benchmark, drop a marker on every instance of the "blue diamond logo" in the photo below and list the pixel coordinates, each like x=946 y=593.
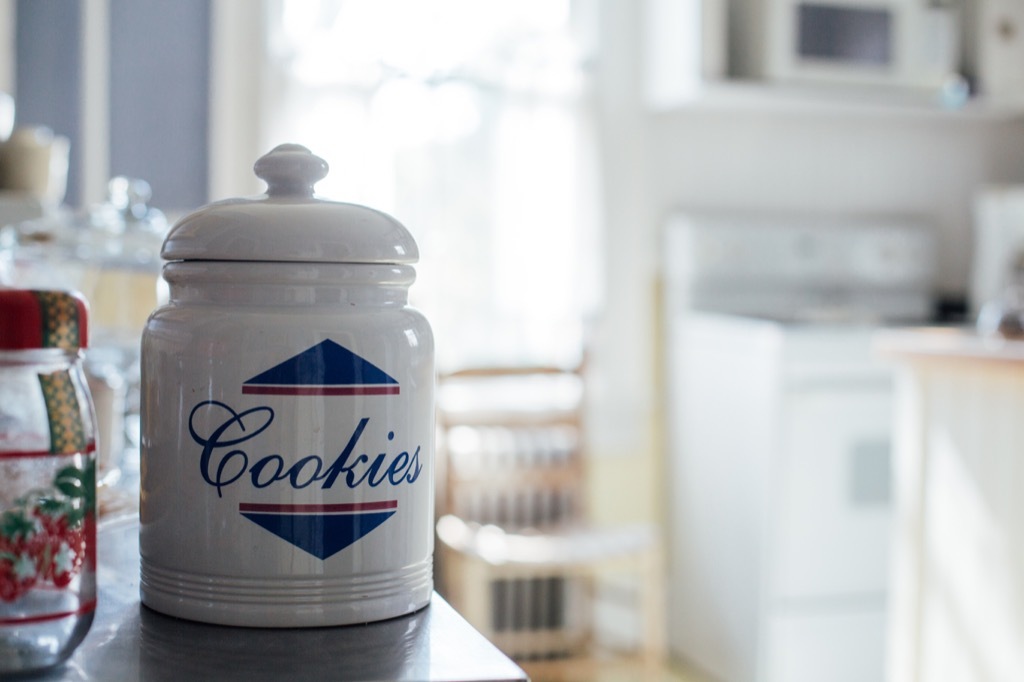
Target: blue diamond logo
x=320 y=530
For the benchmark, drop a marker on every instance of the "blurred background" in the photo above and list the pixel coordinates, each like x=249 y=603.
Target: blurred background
x=708 y=212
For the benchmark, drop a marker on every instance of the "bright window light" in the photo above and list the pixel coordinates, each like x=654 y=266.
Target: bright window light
x=469 y=121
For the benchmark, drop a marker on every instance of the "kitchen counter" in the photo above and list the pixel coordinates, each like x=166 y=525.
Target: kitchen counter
x=947 y=344
x=957 y=576
x=128 y=641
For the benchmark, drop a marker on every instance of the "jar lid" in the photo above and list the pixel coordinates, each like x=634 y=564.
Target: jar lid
x=288 y=223
x=31 y=319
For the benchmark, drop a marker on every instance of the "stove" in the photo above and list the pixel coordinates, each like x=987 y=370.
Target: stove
x=875 y=268
x=778 y=419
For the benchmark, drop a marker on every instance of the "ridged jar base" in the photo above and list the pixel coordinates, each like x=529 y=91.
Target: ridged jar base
x=287 y=602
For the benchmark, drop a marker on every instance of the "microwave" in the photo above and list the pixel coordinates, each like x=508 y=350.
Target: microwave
x=913 y=43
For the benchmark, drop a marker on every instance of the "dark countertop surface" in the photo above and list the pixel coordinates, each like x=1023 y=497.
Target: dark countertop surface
x=129 y=641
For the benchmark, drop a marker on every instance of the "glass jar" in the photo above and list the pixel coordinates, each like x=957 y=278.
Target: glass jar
x=111 y=254
x=47 y=480
x=287 y=414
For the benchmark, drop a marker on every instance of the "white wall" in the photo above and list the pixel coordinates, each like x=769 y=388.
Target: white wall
x=624 y=346
x=866 y=162
x=757 y=157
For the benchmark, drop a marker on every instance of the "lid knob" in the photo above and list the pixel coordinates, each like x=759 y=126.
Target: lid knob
x=290 y=169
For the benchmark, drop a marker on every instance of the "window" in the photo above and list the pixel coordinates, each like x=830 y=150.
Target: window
x=469 y=121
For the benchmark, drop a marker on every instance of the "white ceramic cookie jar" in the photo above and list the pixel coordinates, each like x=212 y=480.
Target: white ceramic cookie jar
x=287 y=413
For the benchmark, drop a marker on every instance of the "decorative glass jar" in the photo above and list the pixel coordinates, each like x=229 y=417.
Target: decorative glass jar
x=47 y=480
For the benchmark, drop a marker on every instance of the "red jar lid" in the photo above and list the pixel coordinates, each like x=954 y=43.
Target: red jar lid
x=42 y=319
